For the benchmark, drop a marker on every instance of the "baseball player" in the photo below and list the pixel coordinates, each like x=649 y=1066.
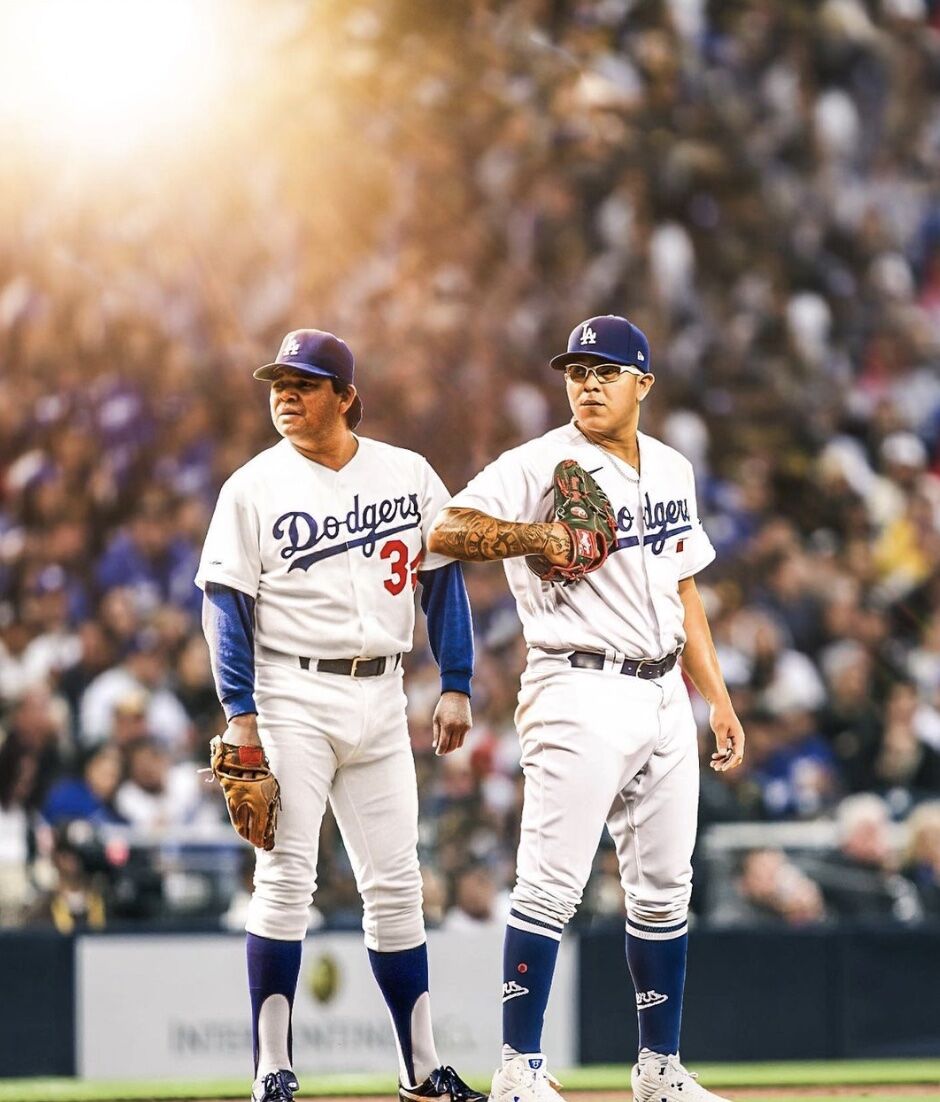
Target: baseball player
x=604 y=717
x=308 y=571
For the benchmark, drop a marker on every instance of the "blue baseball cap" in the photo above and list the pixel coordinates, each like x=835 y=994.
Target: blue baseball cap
x=607 y=339
x=316 y=352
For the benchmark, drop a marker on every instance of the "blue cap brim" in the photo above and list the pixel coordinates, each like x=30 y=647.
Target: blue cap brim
x=562 y=361
x=559 y=363
x=269 y=371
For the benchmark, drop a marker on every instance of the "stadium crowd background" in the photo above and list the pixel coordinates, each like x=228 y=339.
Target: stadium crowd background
x=451 y=187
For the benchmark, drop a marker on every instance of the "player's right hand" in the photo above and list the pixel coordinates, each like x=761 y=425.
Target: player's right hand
x=242 y=731
x=729 y=737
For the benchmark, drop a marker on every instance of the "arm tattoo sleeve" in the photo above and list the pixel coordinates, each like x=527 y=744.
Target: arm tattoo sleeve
x=476 y=537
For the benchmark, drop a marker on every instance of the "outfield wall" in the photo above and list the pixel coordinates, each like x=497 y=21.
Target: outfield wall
x=768 y=995
x=187 y=996
x=156 y=1006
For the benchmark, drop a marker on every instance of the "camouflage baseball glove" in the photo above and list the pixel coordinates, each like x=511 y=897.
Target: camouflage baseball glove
x=251 y=791
x=584 y=509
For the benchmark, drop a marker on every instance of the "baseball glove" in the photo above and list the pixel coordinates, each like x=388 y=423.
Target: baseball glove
x=251 y=791
x=584 y=509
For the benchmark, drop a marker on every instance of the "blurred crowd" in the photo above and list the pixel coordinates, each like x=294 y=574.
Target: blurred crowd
x=754 y=182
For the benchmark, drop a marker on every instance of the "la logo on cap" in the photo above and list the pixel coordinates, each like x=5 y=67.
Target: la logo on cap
x=290 y=347
x=588 y=336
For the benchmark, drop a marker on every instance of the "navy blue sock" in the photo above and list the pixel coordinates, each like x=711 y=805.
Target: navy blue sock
x=528 y=968
x=273 y=967
x=658 y=971
x=403 y=978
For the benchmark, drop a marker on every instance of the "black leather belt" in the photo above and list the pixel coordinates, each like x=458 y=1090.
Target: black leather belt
x=644 y=668
x=351 y=667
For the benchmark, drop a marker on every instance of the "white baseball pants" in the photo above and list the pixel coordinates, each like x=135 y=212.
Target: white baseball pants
x=600 y=747
x=342 y=739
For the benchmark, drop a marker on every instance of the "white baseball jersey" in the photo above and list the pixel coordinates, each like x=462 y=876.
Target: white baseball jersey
x=631 y=605
x=331 y=557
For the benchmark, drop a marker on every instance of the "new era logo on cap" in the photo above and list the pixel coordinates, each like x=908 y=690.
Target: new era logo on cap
x=608 y=338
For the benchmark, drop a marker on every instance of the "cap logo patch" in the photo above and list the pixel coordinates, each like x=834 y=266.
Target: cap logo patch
x=640 y=357
x=290 y=347
x=588 y=336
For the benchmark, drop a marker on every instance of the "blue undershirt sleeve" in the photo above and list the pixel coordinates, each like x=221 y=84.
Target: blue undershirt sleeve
x=228 y=621
x=450 y=629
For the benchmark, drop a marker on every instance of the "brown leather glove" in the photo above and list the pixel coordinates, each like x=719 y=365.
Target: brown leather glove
x=252 y=794
x=584 y=509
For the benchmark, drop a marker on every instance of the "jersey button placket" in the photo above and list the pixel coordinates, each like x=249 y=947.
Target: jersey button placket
x=356 y=589
x=650 y=600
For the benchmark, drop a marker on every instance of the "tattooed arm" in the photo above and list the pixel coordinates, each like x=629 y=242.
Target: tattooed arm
x=473 y=536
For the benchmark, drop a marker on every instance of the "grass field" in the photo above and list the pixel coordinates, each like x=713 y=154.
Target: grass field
x=873 y=1081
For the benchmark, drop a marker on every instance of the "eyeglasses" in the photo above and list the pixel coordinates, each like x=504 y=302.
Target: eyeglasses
x=604 y=373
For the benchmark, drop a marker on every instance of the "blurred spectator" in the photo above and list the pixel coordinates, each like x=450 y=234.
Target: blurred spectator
x=476 y=901
x=15 y=887
x=850 y=720
x=140 y=556
x=95 y=655
x=771 y=890
x=75 y=901
x=924 y=665
x=861 y=881
x=783 y=680
x=31 y=752
x=45 y=610
x=128 y=723
x=195 y=691
x=789 y=597
x=921 y=864
x=907 y=766
x=157 y=794
x=792 y=765
x=144 y=672
x=90 y=794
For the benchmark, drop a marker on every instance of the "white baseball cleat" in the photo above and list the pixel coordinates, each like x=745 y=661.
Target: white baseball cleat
x=664 y=1079
x=524 y=1079
x=275 y=1086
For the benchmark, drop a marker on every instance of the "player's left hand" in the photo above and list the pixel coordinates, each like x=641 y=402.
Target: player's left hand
x=729 y=737
x=452 y=720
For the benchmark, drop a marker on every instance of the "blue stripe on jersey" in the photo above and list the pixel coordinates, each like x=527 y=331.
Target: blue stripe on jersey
x=653 y=537
x=450 y=629
x=228 y=621
x=341 y=548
